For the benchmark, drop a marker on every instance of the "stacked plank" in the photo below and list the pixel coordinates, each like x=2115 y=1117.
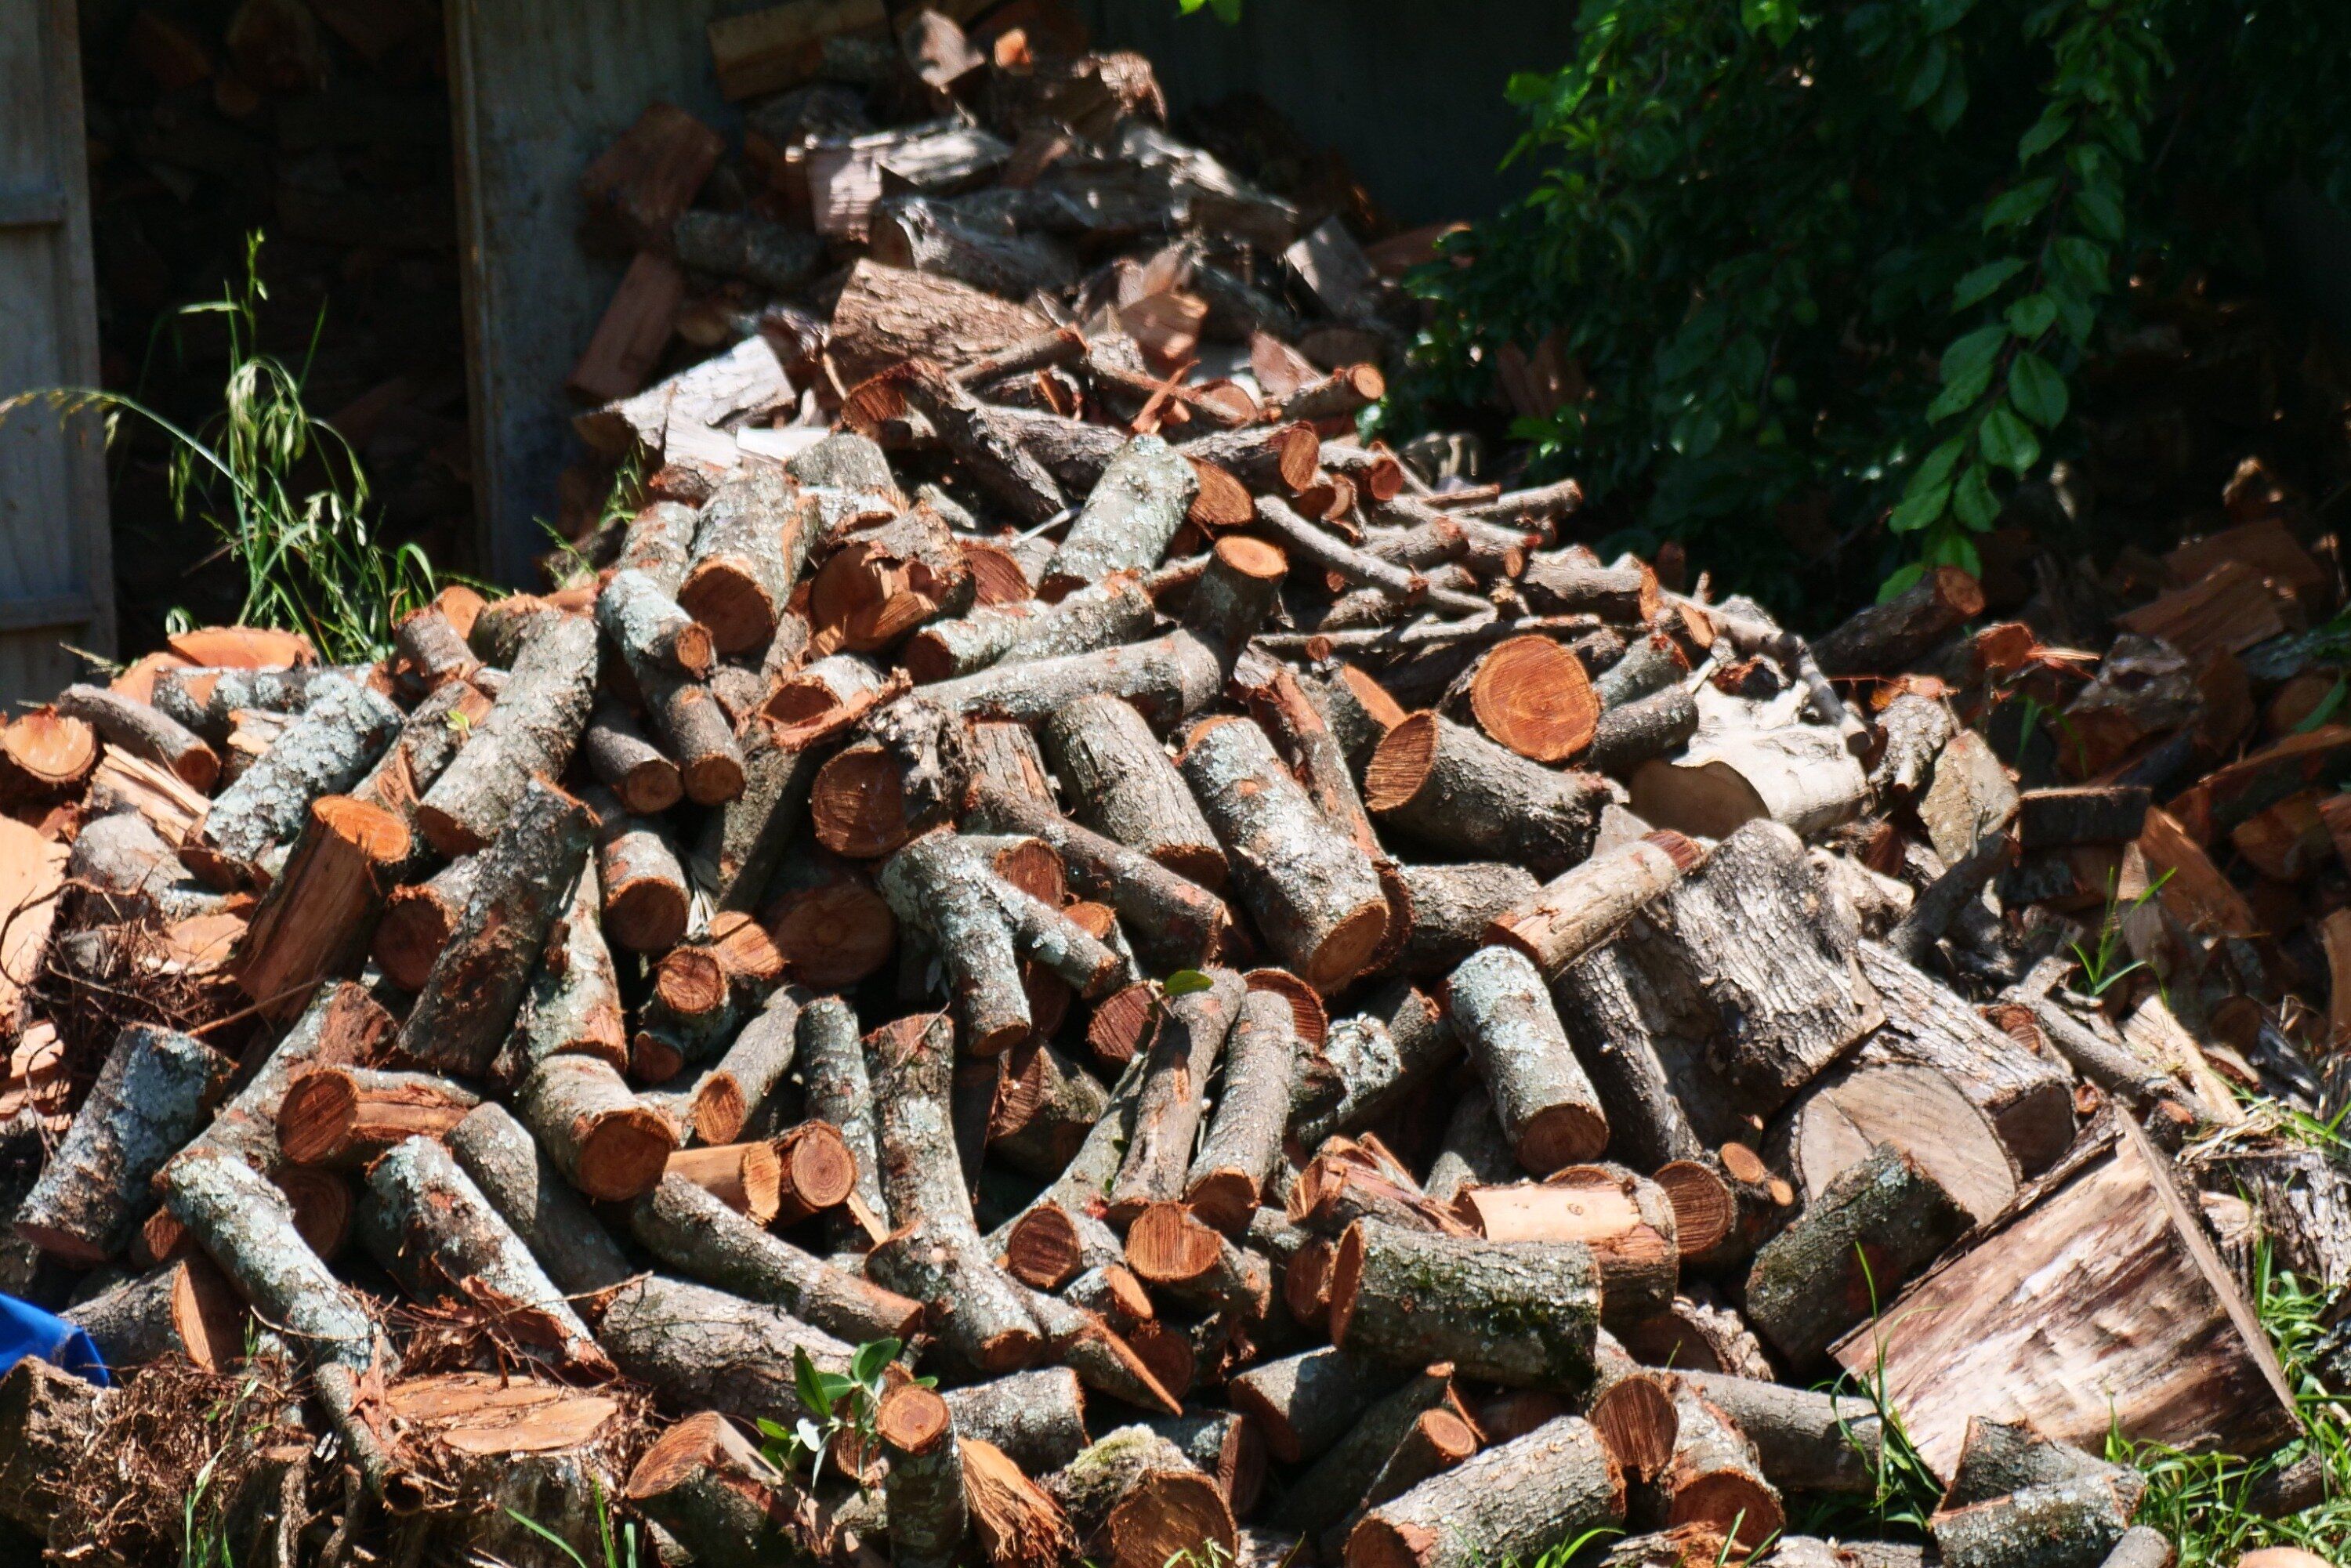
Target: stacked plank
x=1335 y=1024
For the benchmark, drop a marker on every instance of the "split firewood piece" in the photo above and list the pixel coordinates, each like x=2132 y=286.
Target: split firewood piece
x=1886 y=638
x=1136 y=1500
x=653 y=632
x=1714 y=1478
x=45 y=754
x=522 y=884
x=1166 y=1246
x=1838 y=1123
x=619 y=756
x=1803 y=1440
x=840 y=1093
x=1323 y=549
x=882 y=583
x=1117 y=610
x=1127 y=789
x=1334 y=1485
x=246 y=1227
x=537 y=1203
x=704 y=1349
x=1036 y=1418
x=696 y=1232
x=746 y=1178
x=1452 y=786
x=924 y=1485
x=1808 y=1285
x=732 y=1093
x=1235 y=1166
x=1130 y=514
x=529 y=733
x=417 y=921
x=182 y=1308
x=2061 y=1524
x=1313 y=890
x=1044 y=1107
x=606 y=1142
x=1398 y=1044
x=1523 y=1314
x=1504 y=1016
x=1531 y=695
x=343 y=1025
x=708 y=1485
x=429 y=1224
x=1172 y=1092
x=1587 y=906
x=148 y=1102
x=2002 y=1456
x=326 y=750
x=346 y=1116
x=144 y=731
x=1638 y=731
x=1572 y=582
x=751 y=545
x=1626 y=1220
x=1518 y=1497
x=315 y=923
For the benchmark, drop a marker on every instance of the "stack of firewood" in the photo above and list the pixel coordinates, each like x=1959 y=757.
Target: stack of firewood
x=1332 y=1024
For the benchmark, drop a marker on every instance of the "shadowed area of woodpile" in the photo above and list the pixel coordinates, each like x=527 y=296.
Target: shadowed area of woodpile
x=1325 y=1020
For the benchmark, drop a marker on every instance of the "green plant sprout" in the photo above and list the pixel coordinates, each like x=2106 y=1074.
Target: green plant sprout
x=840 y=1410
x=2099 y=971
x=619 y=1548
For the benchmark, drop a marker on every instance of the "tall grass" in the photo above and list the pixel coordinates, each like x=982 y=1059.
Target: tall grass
x=281 y=490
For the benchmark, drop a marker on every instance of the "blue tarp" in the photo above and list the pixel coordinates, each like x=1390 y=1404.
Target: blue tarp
x=26 y=1330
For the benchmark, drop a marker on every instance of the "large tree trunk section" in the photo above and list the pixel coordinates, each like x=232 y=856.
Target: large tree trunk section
x=1589 y=904
x=1336 y=1484
x=1306 y=1403
x=1174 y=1092
x=1130 y=515
x=749 y=547
x=429 y=1224
x=148 y=1103
x=1229 y=1175
x=1504 y=1016
x=1454 y=787
x=145 y=732
x=693 y=1231
x=709 y=1486
x=342 y=730
x=1453 y=909
x=600 y=1136
x=469 y=1001
x=346 y=1116
x=1126 y=787
x=1176 y=924
x=184 y=1308
x=2063 y=1524
x=840 y=1093
x=1625 y=1219
x=49 y=1420
x=1135 y=1502
x=1836 y=1125
x=531 y=1196
x=928 y=1517
x=315 y=923
x=1523 y=1314
x=1512 y=1501
x=529 y=733
x=1037 y=1419
x=1886 y=637
x=1871 y=1228
x=702 y=1349
x=2021 y=1326
x=1312 y=889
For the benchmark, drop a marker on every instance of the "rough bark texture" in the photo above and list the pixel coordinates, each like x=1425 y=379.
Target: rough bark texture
x=646 y=899
x=1454 y=787
x=748 y=550
x=573 y=1003
x=618 y=752
x=1523 y=1314
x=1134 y=1501
x=182 y=1308
x=1886 y=637
x=1043 y=1110
x=1333 y=1486
x=1504 y=1016
x=924 y=1485
x=1172 y=1094
x=1803 y=1440
x=1308 y=1402
x=1584 y=908
x=652 y=630
x=148 y=1102
x=2063 y=1524
x=732 y=1092
x=706 y=1484
x=1451 y=907
x=2003 y=1457
x=345 y=1117
x=1810 y=1283
x=145 y=732
x=1166 y=678
x=1626 y=1220
x=1130 y=514
x=325 y=751
x=1099 y=616
x=833 y=1067
x=1174 y=924
x=1126 y=787
x=1382 y=1055
x=1236 y=1162
x=604 y=1142
x=1037 y=1418
x=1631 y=733
x=537 y=1203
x=529 y=733
x=935 y=886
x=704 y=1350
x=1515 y=1499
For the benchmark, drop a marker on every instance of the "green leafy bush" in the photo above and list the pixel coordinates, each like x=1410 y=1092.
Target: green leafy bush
x=1850 y=259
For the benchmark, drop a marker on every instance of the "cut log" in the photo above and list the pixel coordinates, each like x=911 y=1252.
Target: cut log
x=1335 y=1485
x=529 y=733
x=326 y=752
x=832 y=928
x=1504 y=1016
x=1626 y=1221
x=599 y=1136
x=2063 y=1524
x=815 y=1172
x=615 y=747
x=746 y=1178
x=45 y=753
x=536 y=1202
x=417 y=921
x=1514 y=1498
x=1398 y=1045
x=1839 y=1123
x=936 y=886
x=522 y=884
x=185 y=1308
x=343 y=1025
x=1306 y=1403
x=924 y=1484
x=1128 y=790
x=704 y=1349
x=1523 y=1316
x=749 y=548
x=887 y=314
x=1117 y=610
x=708 y=1485
x=317 y=920
x=1320 y=547
x=650 y=629
x=1886 y=638
x=1171 y=1095
x=1135 y=1500
x=1571 y=583
x=1530 y=694
x=145 y=732
x=1035 y=1419
x=2002 y=1456
x=1166 y=1246
x=727 y=1097
x=574 y=1000
x=1313 y=890
x=646 y=901
x=1043 y=1111
x=1803 y=1440
x=1587 y=906
x=1233 y=1169
x=1634 y=732
x=833 y=1067
x=148 y=1102
x=346 y=1116
x=1879 y=1222
x=1130 y=514
x=1714 y=1481
x=1453 y=788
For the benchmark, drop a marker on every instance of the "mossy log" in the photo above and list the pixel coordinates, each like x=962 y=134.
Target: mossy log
x=1871 y=1228
x=1514 y=1500
x=1523 y=1315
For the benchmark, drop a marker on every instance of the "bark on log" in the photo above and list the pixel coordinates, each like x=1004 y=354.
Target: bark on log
x=708 y=1486
x=1589 y=904
x=1713 y=1479
x=1454 y=787
x=1452 y=907
x=1810 y=1283
x=1171 y=1095
x=1803 y=1440
x=1306 y=1403
x=529 y=733
x=833 y=1067
x=732 y=1092
x=1633 y=733
x=326 y=752
x=1998 y=1457
x=652 y=630
x=1231 y=1173
x=346 y=1116
x=148 y=1102
x=1043 y=1111
x=1130 y=514
x=1168 y=1247
x=935 y=886
x=1523 y=1315
x=1037 y=1419
x=644 y=885
x=469 y=1001
x=315 y=923
x=750 y=545
x=618 y=752
x=988 y=449
x=1473 y=1152
x=1398 y=1044
x=1102 y=614
x=1570 y=583
x=1135 y=1500
x=2063 y=1524
x=417 y=921
x=185 y=1308
x=1887 y=637
x=704 y=1349
x=1504 y=1016
x=343 y=1025
x=573 y=1004
x=1126 y=787
x=1517 y=1497
x=604 y=1141
x=1597 y=1003
x=532 y=1197
x=924 y=1484
x=1334 y=1485
x=983 y=1317
x=1837 y=1123
x=145 y=732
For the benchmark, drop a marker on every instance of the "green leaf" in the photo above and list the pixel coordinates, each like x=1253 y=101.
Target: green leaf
x=772 y=1429
x=2323 y=711
x=809 y=1384
x=2031 y=315
x=1917 y=511
x=1928 y=79
x=837 y=1389
x=2046 y=132
x=2101 y=212
x=1951 y=101
x=1954 y=549
x=2037 y=390
x=872 y=1357
x=1957 y=397
x=2020 y=203
x=2008 y=441
x=1900 y=584
x=1973 y=501
x=1983 y=282
x=1973 y=351
x=1184 y=983
x=1936 y=468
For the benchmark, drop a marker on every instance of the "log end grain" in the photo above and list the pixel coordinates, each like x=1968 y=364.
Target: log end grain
x=1531 y=695
x=857 y=804
x=833 y=936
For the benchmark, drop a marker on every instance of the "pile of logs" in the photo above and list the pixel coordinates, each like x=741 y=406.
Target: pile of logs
x=1329 y=1023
